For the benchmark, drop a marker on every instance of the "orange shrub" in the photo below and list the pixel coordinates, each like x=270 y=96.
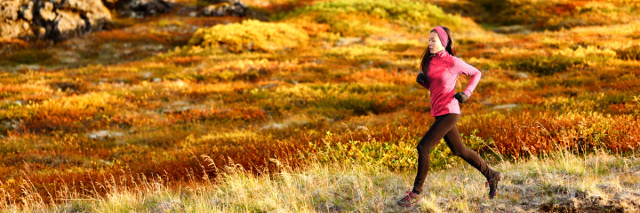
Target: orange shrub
x=531 y=133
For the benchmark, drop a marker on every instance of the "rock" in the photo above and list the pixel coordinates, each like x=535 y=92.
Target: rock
x=103 y=134
x=348 y=41
x=182 y=106
x=225 y=8
x=328 y=207
x=109 y=3
x=177 y=107
x=513 y=29
x=139 y=8
x=51 y=20
x=274 y=126
x=521 y=75
x=504 y=106
x=108 y=163
x=143 y=8
x=11 y=25
x=168 y=206
x=106 y=2
x=146 y=75
x=268 y=86
x=367 y=64
x=10 y=124
x=29 y=67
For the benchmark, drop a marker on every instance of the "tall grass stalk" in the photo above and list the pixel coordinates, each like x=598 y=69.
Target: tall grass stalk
x=559 y=181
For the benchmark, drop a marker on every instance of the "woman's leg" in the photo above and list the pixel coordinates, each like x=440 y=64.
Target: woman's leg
x=459 y=149
x=438 y=129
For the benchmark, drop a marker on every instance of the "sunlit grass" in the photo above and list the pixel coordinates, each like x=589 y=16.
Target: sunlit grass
x=558 y=181
x=344 y=92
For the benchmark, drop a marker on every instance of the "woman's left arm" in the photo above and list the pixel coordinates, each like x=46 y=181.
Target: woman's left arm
x=460 y=66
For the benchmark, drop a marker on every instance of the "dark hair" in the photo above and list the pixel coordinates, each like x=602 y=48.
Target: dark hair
x=426 y=55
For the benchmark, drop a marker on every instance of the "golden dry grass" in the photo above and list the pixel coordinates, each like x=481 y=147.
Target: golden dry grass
x=71 y=129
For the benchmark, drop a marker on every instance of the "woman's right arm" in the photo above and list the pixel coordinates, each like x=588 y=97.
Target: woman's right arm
x=462 y=67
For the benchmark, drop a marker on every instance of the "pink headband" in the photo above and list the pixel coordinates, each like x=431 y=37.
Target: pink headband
x=444 y=39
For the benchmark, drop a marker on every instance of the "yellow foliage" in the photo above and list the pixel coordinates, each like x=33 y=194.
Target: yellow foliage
x=299 y=92
x=579 y=52
x=307 y=23
x=251 y=35
x=584 y=52
x=91 y=102
x=356 y=52
x=511 y=51
x=33 y=88
x=248 y=107
x=613 y=30
x=260 y=64
x=218 y=88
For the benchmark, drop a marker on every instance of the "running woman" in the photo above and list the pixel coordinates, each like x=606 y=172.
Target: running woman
x=440 y=69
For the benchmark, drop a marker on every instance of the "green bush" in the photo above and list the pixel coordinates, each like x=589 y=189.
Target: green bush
x=251 y=35
x=358 y=105
x=397 y=155
x=43 y=57
x=413 y=15
x=560 y=60
x=356 y=52
x=545 y=65
x=553 y=15
x=349 y=24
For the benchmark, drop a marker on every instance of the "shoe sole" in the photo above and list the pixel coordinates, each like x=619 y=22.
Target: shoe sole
x=410 y=204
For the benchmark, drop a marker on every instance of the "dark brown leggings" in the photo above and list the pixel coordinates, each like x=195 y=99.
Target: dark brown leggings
x=445 y=126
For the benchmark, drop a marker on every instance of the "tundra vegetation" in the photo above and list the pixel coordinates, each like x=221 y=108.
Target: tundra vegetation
x=313 y=106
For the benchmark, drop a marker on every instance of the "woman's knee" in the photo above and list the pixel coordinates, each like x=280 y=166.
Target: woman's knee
x=423 y=148
x=457 y=152
x=460 y=151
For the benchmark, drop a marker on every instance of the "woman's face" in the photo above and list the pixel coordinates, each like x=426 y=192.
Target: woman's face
x=434 y=43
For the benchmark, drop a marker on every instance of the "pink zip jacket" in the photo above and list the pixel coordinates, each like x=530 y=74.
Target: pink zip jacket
x=441 y=81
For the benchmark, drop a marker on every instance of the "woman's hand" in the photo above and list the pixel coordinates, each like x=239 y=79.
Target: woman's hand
x=422 y=78
x=461 y=97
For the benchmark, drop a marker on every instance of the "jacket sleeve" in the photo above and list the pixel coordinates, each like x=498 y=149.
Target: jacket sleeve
x=461 y=67
x=425 y=84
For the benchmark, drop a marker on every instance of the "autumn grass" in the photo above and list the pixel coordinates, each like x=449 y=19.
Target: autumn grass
x=545 y=15
x=559 y=182
x=346 y=95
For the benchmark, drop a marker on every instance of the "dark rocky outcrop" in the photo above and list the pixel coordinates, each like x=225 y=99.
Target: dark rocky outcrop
x=225 y=8
x=51 y=20
x=139 y=8
x=58 y=20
